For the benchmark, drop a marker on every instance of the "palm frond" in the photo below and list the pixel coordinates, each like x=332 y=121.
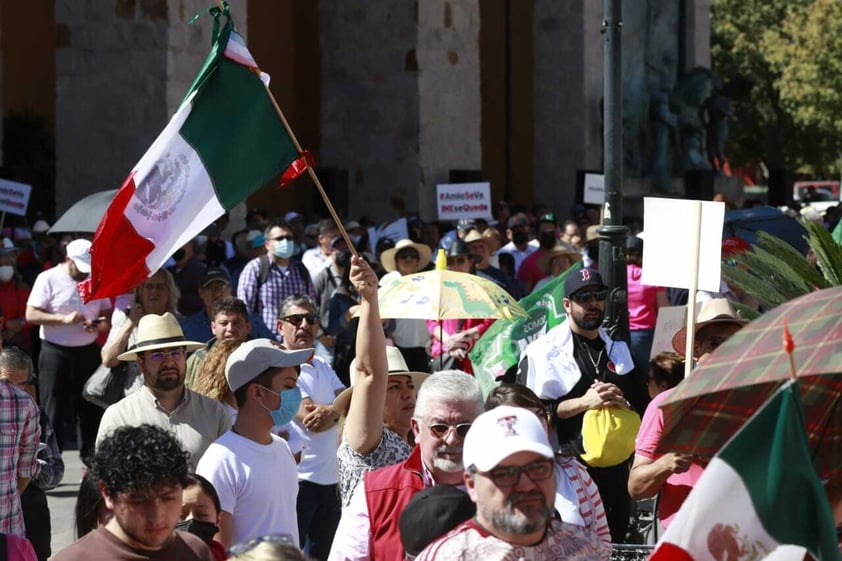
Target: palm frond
x=827 y=252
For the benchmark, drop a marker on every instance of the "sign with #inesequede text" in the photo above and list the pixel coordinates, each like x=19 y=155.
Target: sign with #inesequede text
x=463 y=200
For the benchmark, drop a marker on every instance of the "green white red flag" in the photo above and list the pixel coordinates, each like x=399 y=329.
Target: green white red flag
x=759 y=498
x=223 y=143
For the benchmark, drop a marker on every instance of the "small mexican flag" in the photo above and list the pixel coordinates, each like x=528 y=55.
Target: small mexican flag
x=223 y=143
x=759 y=497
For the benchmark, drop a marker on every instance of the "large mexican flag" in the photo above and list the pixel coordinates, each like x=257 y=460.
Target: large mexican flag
x=759 y=498
x=223 y=143
x=501 y=345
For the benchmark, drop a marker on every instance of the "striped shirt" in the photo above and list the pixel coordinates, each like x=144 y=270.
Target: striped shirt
x=19 y=437
x=588 y=498
x=281 y=282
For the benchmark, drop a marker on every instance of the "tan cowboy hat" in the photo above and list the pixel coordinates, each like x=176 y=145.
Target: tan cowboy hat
x=560 y=249
x=716 y=310
x=387 y=258
x=158 y=332
x=475 y=236
x=397 y=367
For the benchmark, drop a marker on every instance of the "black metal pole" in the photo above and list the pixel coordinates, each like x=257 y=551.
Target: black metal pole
x=508 y=195
x=612 y=234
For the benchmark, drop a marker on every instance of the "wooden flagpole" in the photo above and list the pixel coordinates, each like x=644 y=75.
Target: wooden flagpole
x=310 y=169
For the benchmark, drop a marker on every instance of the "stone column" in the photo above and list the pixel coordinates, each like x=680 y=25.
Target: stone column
x=369 y=120
x=122 y=67
x=449 y=94
x=561 y=111
x=696 y=34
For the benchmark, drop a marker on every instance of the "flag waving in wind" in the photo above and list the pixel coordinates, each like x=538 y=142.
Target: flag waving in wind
x=223 y=143
x=759 y=497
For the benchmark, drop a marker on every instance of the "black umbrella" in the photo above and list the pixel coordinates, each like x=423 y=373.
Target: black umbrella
x=86 y=214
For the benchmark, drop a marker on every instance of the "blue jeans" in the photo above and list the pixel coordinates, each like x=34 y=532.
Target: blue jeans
x=641 y=345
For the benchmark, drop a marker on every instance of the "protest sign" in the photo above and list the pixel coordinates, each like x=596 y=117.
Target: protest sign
x=455 y=201
x=501 y=346
x=14 y=197
x=594 y=189
x=671 y=236
x=395 y=231
x=670 y=320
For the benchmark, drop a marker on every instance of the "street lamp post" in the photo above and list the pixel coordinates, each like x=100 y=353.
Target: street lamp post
x=612 y=233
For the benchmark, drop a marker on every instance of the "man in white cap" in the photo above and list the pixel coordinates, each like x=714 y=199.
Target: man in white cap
x=161 y=355
x=509 y=474
x=69 y=353
x=251 y=468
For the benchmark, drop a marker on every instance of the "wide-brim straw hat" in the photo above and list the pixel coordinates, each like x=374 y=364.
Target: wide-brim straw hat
x=475 y=236
x=397 y=367
x=716 y=310
x=560 y=249
x=158 y=332
x=387 y=258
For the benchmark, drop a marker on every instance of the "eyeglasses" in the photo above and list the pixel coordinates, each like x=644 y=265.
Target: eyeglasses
x=240 y=548
x=279 y=238
x=538 y=470
x=298 y=319
x=408 y=255
x=160 y=356
x=586 y=297
x=441 y=430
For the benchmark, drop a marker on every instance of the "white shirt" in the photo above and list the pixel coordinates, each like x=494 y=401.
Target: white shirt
x=56 y=292
x=319 y=382
x=519 y=255
x=256 y=483
x=315 y=261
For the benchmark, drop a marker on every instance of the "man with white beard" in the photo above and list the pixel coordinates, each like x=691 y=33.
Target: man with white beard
x=447 y=404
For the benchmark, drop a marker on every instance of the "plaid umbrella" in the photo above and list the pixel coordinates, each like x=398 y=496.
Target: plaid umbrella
x=708 y=408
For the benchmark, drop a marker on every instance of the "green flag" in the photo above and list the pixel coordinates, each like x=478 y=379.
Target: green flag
x=500 y=347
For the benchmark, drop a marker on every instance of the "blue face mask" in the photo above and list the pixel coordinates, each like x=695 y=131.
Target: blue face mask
x=290 y=402
x=283 y=248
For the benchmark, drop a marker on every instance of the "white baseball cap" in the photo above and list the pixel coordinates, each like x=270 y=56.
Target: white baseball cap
x=80 y=252
x=497 y=434
x=253 y=357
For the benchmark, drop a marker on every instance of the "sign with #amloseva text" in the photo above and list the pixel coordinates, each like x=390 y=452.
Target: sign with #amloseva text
x=463 y=200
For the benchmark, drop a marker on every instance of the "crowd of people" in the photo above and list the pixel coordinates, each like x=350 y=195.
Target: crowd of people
x=267 y=409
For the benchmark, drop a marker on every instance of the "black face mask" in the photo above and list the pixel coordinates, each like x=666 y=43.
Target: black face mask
x=179 y=254
x=199 y=528
x=520 y=238
x=547 y=240
x=343 y=259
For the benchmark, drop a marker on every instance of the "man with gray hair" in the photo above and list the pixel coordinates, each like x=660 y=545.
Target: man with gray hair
x=447 y=404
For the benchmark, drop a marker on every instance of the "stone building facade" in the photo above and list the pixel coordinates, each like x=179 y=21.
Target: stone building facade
x=391 y=96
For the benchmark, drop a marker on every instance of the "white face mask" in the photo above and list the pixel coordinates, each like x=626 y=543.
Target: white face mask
x=6 y=272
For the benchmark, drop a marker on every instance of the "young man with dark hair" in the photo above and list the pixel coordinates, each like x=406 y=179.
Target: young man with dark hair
x=251 y=468
x=140 y=472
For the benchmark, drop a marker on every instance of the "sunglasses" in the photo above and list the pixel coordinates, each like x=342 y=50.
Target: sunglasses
x=458 y=260
x=441 y=430
x=408 y=255
x=538 y=470
x=586 y=297
x=241 y=548
x=716 y=341
x=161 y=356
x=298 y=319
x=280 y=238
